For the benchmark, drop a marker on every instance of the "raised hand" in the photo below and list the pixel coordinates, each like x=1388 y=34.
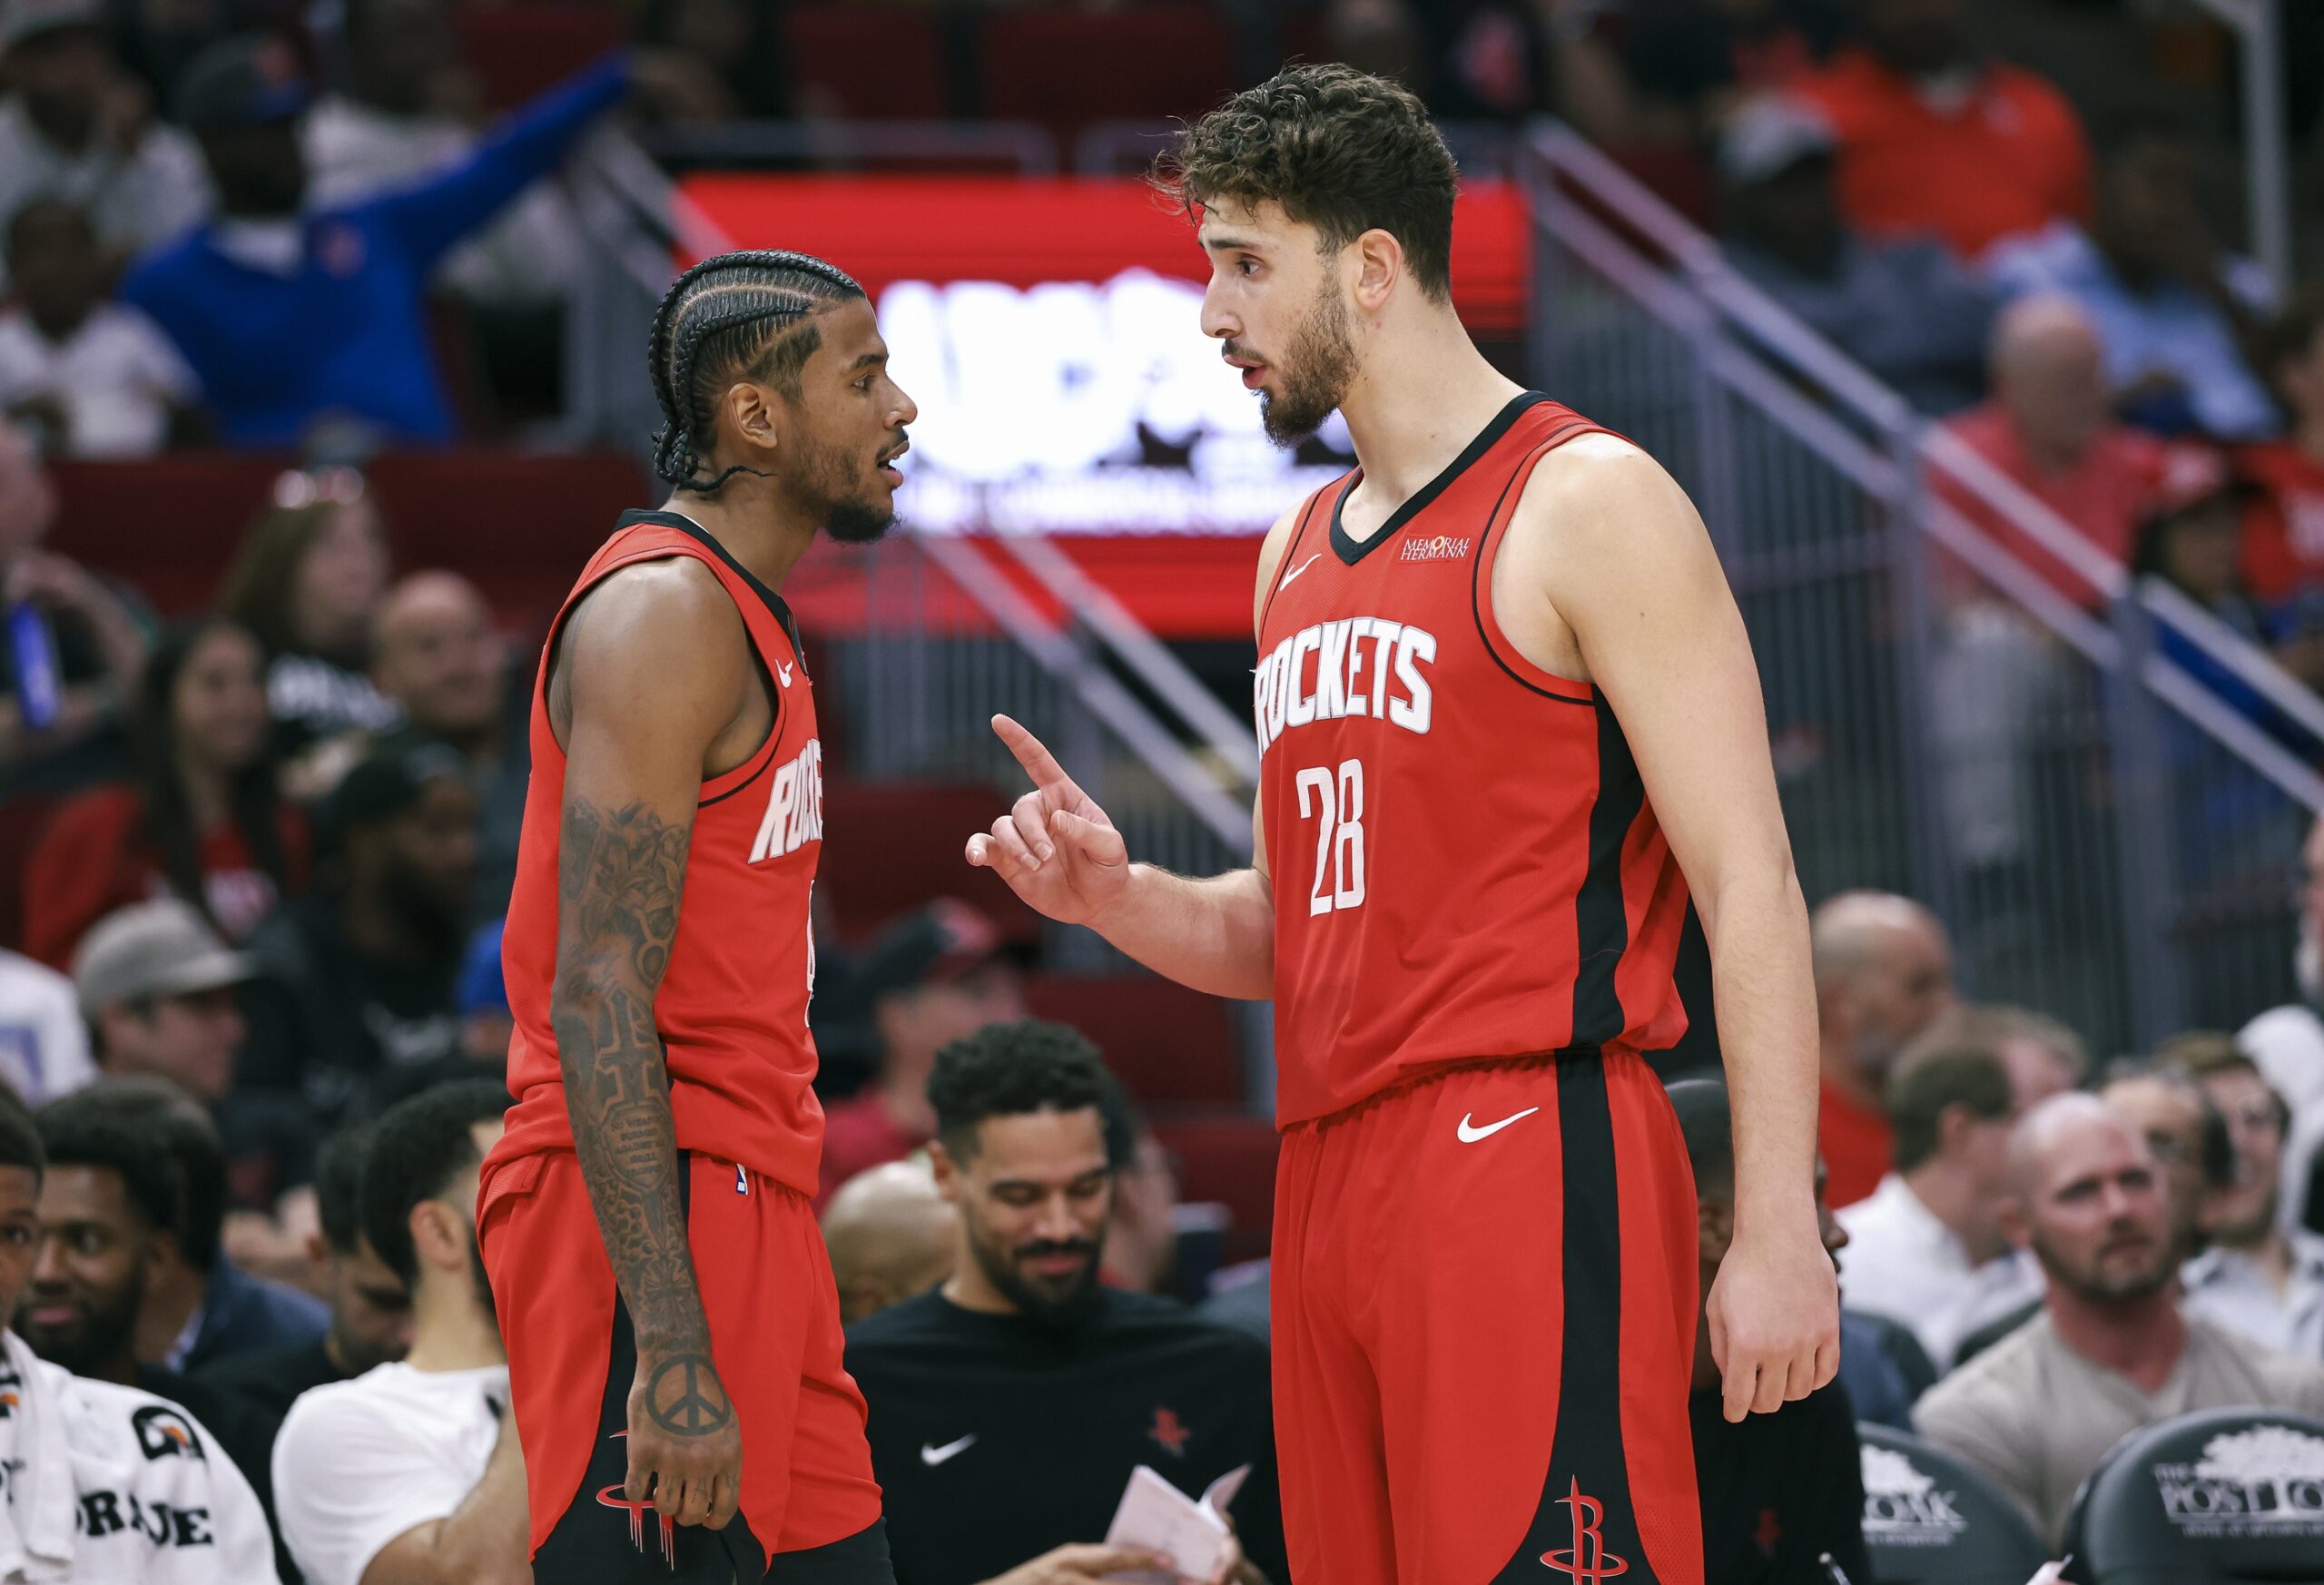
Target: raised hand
x=1055 y=848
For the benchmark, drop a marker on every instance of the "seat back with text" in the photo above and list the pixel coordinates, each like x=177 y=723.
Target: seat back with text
x=1931 y=1520
x=2219 y=1497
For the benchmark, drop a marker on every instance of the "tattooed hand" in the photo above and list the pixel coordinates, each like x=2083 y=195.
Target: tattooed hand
x=685 y=1447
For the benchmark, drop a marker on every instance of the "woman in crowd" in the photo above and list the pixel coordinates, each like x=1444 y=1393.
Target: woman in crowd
x=203 y=818
x=308 y=581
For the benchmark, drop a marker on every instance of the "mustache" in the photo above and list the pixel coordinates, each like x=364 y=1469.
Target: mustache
x=902 y=445
x=1081 y=1246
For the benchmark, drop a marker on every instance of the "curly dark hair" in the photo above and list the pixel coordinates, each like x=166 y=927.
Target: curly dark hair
x=1340 y=150
x=19 y=1135
x=734 y=316
x=1005 y=1071
x=92 y=1127
x=339 y=1185
x=419 y=1146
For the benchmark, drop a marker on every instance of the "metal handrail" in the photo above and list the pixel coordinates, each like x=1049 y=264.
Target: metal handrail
x=2267 y=153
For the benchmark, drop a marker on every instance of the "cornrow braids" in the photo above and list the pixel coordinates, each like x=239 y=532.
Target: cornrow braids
x=731 y=317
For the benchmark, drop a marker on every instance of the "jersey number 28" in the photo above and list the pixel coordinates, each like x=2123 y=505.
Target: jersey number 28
x=1336 y=801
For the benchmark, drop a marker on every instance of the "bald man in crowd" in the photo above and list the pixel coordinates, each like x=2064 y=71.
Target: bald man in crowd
x=435 y=653
x=1884 y=971
x=2114 y=1349
x=891 y=1237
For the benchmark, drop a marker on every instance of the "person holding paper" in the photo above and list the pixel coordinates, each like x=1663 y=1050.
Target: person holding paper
x=1011 y=1409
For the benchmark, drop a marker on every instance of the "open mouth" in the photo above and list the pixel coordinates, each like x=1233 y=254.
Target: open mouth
x=1254 y=372
x=887 y=468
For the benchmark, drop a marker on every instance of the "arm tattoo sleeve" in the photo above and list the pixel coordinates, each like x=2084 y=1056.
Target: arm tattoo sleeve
x=620 y=872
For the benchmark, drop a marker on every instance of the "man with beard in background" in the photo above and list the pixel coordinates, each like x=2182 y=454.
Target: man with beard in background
x=2114 y=1349
x=1009 y=1407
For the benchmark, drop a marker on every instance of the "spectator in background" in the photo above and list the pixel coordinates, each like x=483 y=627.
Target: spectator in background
x=2155 y=286
x=92 y=378
x=371 y=1307
x=2257 y=1278
x=1904 y=308
x=83 y=1447
x=2114 y=1349
x=1779 y=1490
x=1884 y=970
x=361 y=977
x=1141 y=1251
x=308 y=579
x=44 y=1043
x=436 y=656
x=72 y=657
x=1938 y=139
x=2283 y=544
x=411 y=1471
x=715 y=61
x=291 y=315
x=202 y=821
x=932 y=978
x=394 y=120
x=2050 y=431
x=1023 y=1373
x=1927 y=1249
x=1682 y=68
x=2042 y=1057
x=891 y=1237
x=74 y=127
x=482 y=1000
x=158 y=988
x=112 y=1211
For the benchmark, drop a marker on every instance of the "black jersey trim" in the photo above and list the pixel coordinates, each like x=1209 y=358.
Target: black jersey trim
x=1350 y=552
x=1600 y=914
x=1478 y=594
x=776 y=606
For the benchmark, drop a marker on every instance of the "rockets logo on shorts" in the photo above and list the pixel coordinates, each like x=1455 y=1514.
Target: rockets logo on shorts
x=795 y=806
x=1356 y=665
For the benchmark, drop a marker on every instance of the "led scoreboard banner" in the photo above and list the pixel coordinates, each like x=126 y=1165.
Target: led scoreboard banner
x=1050 y=330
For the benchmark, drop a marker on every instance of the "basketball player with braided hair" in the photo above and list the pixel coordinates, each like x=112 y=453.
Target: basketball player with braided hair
x=672 y=1330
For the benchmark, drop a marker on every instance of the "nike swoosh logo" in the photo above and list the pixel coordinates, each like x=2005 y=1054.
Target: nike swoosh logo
x=1295 y=571
x=1471 y=1134
x=933 y=1456
x=784 y=671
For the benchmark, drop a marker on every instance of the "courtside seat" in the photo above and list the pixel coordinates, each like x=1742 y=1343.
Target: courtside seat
x=1229 y=1157
x=1169 y=1045
x=1931 y=1520
x=867 y=62
x=2219 y=1497
x=1064 y=67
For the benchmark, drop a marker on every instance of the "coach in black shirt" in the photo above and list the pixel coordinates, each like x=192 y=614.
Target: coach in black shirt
x=1009 y=1407
x=1779 y=1490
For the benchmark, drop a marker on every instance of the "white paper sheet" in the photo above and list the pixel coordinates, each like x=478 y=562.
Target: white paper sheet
x=1158 y=1517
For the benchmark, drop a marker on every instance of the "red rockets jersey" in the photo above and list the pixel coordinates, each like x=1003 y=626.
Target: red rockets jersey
x=731 y=1011
x=1464 y=862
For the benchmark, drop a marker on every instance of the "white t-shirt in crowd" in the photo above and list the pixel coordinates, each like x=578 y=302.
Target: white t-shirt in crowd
x=117 y=376
x=359 y=1463
x=44 y=1043
x=137 y=199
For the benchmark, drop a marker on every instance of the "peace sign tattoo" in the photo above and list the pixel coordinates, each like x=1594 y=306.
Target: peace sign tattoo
x=684 y=1397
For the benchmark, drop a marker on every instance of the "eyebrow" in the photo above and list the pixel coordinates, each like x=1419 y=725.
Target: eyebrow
x=868 y=361
x=1218 y=244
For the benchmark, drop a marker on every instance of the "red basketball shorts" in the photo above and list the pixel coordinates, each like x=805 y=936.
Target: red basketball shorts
x=775 y=1336
x=1483 y=1314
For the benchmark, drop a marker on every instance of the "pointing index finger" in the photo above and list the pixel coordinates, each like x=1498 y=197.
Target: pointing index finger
x=1038 y=763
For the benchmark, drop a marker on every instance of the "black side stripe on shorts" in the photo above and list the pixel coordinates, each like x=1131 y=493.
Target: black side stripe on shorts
x=1585 y=1529
x=1600 y=917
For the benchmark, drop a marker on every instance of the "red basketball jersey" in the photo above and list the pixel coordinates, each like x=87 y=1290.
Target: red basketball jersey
x=731 y=1011
x=1465 y=864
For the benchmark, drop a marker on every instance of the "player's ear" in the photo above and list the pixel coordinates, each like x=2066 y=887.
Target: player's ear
x=1380 y=264
x=947 y=1171
x=435 y=1237
x=755 y=413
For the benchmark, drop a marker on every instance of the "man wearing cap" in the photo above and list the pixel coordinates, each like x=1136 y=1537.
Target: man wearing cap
x=157 y=987
x=360 y=994
x=289 y=315
x=934 y=977
x=1904 y=309
x=75 y=128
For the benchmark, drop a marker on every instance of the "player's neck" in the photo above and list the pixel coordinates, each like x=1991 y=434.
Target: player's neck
x=1424 y=394
x=754 y=525
x=451 y=1332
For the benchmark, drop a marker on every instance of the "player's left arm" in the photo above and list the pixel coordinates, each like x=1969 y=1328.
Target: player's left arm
x=1608 y=574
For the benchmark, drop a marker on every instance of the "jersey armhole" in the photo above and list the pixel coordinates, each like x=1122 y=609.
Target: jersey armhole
x=1291 y=551
x=1535 y=679
x=726 y=783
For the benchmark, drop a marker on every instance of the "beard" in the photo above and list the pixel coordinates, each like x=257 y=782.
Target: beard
x=1318 y=367
x=1060 y=1304
x=2093 y=1282
x=836 y=494
x=91 y=1346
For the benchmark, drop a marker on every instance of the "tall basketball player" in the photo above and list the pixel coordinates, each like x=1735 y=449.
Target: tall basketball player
x=673 y=1331
x=1507 y=715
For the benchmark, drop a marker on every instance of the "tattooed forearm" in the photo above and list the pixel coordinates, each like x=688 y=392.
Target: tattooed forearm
x=620 y=873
